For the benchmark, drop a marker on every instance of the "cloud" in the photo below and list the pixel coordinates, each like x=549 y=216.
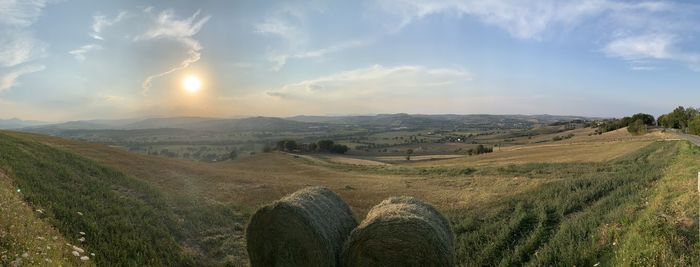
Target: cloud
x=167 y=26
x=79 y=53
x=100 y=22
x=18 y=46
x=375 y=82
x=281 y=59
x=280 y=28
x=20 y=13
x=630 y=30
x=11 y=78
x=289 y=24
x=643 y=51
x=112 y=99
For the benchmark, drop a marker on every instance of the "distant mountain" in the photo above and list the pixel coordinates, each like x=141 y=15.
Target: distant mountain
x=437 y=121
x=16 y=123
x=304 y=123
x=187 y=123
x=172 y=122
x=254 y=124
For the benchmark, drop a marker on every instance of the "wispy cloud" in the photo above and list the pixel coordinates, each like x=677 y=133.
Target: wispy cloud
x=168 y=26
x=376 y=81
x=18 y=47
x=20 y=13
x=634 y=30
x=100 y=22
x=280 y=28
x=289 y=25
x=281 y=59
x=79 y=53
x=11 y=79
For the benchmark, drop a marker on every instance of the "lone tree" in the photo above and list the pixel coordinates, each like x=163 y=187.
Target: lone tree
x=339 y=149
x=325 y=145
x=408 y=154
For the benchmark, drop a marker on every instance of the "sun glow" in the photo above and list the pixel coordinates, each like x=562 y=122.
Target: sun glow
x=192 y=84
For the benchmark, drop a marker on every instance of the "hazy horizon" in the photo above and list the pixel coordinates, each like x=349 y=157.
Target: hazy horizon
x=78 y=59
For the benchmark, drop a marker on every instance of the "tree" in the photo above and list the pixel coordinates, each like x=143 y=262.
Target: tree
x=339 y=149
x=290 y=145
x=287 y=145
x=233 y=154
x=408 y=153
x=694 y=126
x=313 y=147
x=637 y=127
x=646 y=118
x=325 y=145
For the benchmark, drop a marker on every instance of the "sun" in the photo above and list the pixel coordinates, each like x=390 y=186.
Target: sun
x=192 y=84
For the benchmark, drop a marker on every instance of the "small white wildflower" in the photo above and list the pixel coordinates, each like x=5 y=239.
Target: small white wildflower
x=75 y=253
x=82 y=239
x=24 y=255
x=81 y=233
x=84 y=258
x=80 y=213
x=598 y=263
x=92 y=254
x=78 y=249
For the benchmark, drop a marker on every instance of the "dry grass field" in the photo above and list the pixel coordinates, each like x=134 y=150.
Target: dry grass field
x=253 y=181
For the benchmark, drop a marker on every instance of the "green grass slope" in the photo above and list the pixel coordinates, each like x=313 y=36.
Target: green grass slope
x=25 y=239
x=125 y=221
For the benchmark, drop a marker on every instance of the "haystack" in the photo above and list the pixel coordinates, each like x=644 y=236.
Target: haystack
x=401 y=231
x=306 y=228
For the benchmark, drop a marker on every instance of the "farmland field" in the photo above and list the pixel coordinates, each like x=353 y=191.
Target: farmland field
x=577 y=202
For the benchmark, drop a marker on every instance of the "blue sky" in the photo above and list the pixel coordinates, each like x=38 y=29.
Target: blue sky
x=71 y=59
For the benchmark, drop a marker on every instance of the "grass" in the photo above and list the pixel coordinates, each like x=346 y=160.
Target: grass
x=125 y=220
x=128 y=221
x=666 y=232
x=581 y=210
x=25 y=239
x=579 y=219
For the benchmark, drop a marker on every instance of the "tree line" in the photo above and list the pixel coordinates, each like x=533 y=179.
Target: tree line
x=637 y=124
x=326 y=146
x=685 y=119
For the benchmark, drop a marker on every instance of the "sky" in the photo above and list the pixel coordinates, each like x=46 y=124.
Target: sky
x=85 y=59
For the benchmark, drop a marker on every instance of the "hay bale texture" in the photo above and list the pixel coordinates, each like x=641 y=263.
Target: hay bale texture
x=306 y=228
x=401 y=231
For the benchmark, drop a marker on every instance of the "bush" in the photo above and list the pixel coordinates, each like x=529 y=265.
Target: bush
x=637 y=127
x=480 y=149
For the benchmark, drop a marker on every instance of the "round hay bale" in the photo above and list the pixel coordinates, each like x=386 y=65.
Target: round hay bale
x=306 y=228
x=401 y=231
